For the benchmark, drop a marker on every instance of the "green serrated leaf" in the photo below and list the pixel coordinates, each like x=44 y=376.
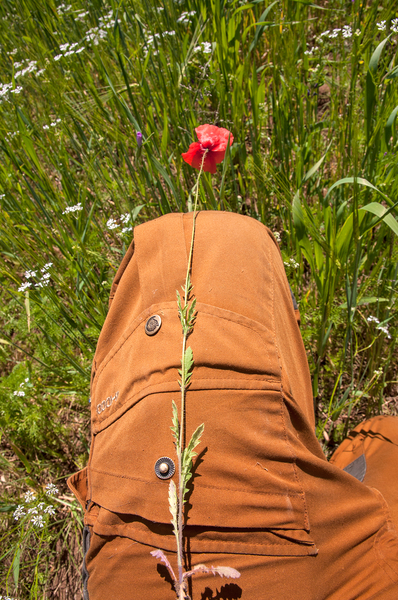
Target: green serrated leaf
x=176 y=424
x=188 y=360
x=195 y=438
x=179 y=304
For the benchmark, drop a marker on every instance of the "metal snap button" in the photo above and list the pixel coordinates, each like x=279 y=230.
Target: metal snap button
x=153 y=325
x=164 y=467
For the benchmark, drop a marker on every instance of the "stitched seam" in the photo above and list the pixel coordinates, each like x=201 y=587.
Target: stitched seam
x=143 y=393
x=296 y=543
x=211 y=487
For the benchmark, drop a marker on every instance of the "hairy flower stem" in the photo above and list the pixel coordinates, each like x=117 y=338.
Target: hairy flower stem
x=182 y=585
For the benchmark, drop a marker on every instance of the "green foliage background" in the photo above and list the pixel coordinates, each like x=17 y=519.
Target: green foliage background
x=309 y=92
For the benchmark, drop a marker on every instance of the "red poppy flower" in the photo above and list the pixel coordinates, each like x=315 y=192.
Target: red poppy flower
x=214 y=140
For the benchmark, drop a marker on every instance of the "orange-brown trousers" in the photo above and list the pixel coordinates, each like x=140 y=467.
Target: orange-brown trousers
x=264 y=499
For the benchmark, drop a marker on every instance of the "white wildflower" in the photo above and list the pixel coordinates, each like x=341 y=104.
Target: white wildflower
x=207 y=47
x=33 y=511
x=38 y=521
x=72 y=209
x=40 y=506
x=384 y=329
x=40 y=72
x=58 y=57
x=81 y=14
x=64 y=47
x=63 y=8
x=372 y=319
x=381 y=26
x=18 y=512
x=47 y=266
x=358 y=32
x=29 y=274
x=125 y=218
x=46 y=127
x=126 y=229
x=19 y=393
x=24 y=286
x=49 y=510
x=394 y=25
x=111 y=224
x=277 y=236
x=347 y=31
x=51 y=489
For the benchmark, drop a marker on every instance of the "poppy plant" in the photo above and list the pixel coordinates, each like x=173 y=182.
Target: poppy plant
x=213 y=141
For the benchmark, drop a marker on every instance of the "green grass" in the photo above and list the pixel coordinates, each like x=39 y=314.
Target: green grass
x=314 y=158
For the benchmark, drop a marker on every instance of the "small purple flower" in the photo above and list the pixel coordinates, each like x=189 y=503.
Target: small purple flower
x=139 y=139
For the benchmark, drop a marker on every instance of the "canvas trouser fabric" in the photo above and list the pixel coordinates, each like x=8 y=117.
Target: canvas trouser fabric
x=263 y=498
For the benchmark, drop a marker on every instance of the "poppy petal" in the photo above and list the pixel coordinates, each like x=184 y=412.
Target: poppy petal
x=194 y=157
x=210 y=163
x=191 y=156
x=215 y=138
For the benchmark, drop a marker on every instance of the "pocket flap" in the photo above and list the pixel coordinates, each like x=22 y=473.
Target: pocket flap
x=262 y=542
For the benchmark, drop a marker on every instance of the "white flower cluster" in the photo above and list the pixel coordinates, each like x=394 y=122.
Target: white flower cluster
x=81 y=14
x=7 y=598
x=113 y=224
x=394 y=25
x=72 y=209
x=383 y=328
x=6 y=88
x=51 y=489
x=30 y=67
x=346 y=32
x=96 y=34
x=68 y=49
x=63 y=8
x=372 y=319
x=37 y=512
x=291 y=263
x=45 y=278
x=151 y=41
x=185 y=17
x=277 y=236
x=52 y=124
x=205 y=47
x=21 y=393
x=311 y=51
x=381 y=26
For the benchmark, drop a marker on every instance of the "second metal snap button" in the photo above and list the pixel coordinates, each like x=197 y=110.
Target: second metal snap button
x=164 y=467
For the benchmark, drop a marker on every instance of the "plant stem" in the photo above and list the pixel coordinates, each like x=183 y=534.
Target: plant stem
x=181 y=592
